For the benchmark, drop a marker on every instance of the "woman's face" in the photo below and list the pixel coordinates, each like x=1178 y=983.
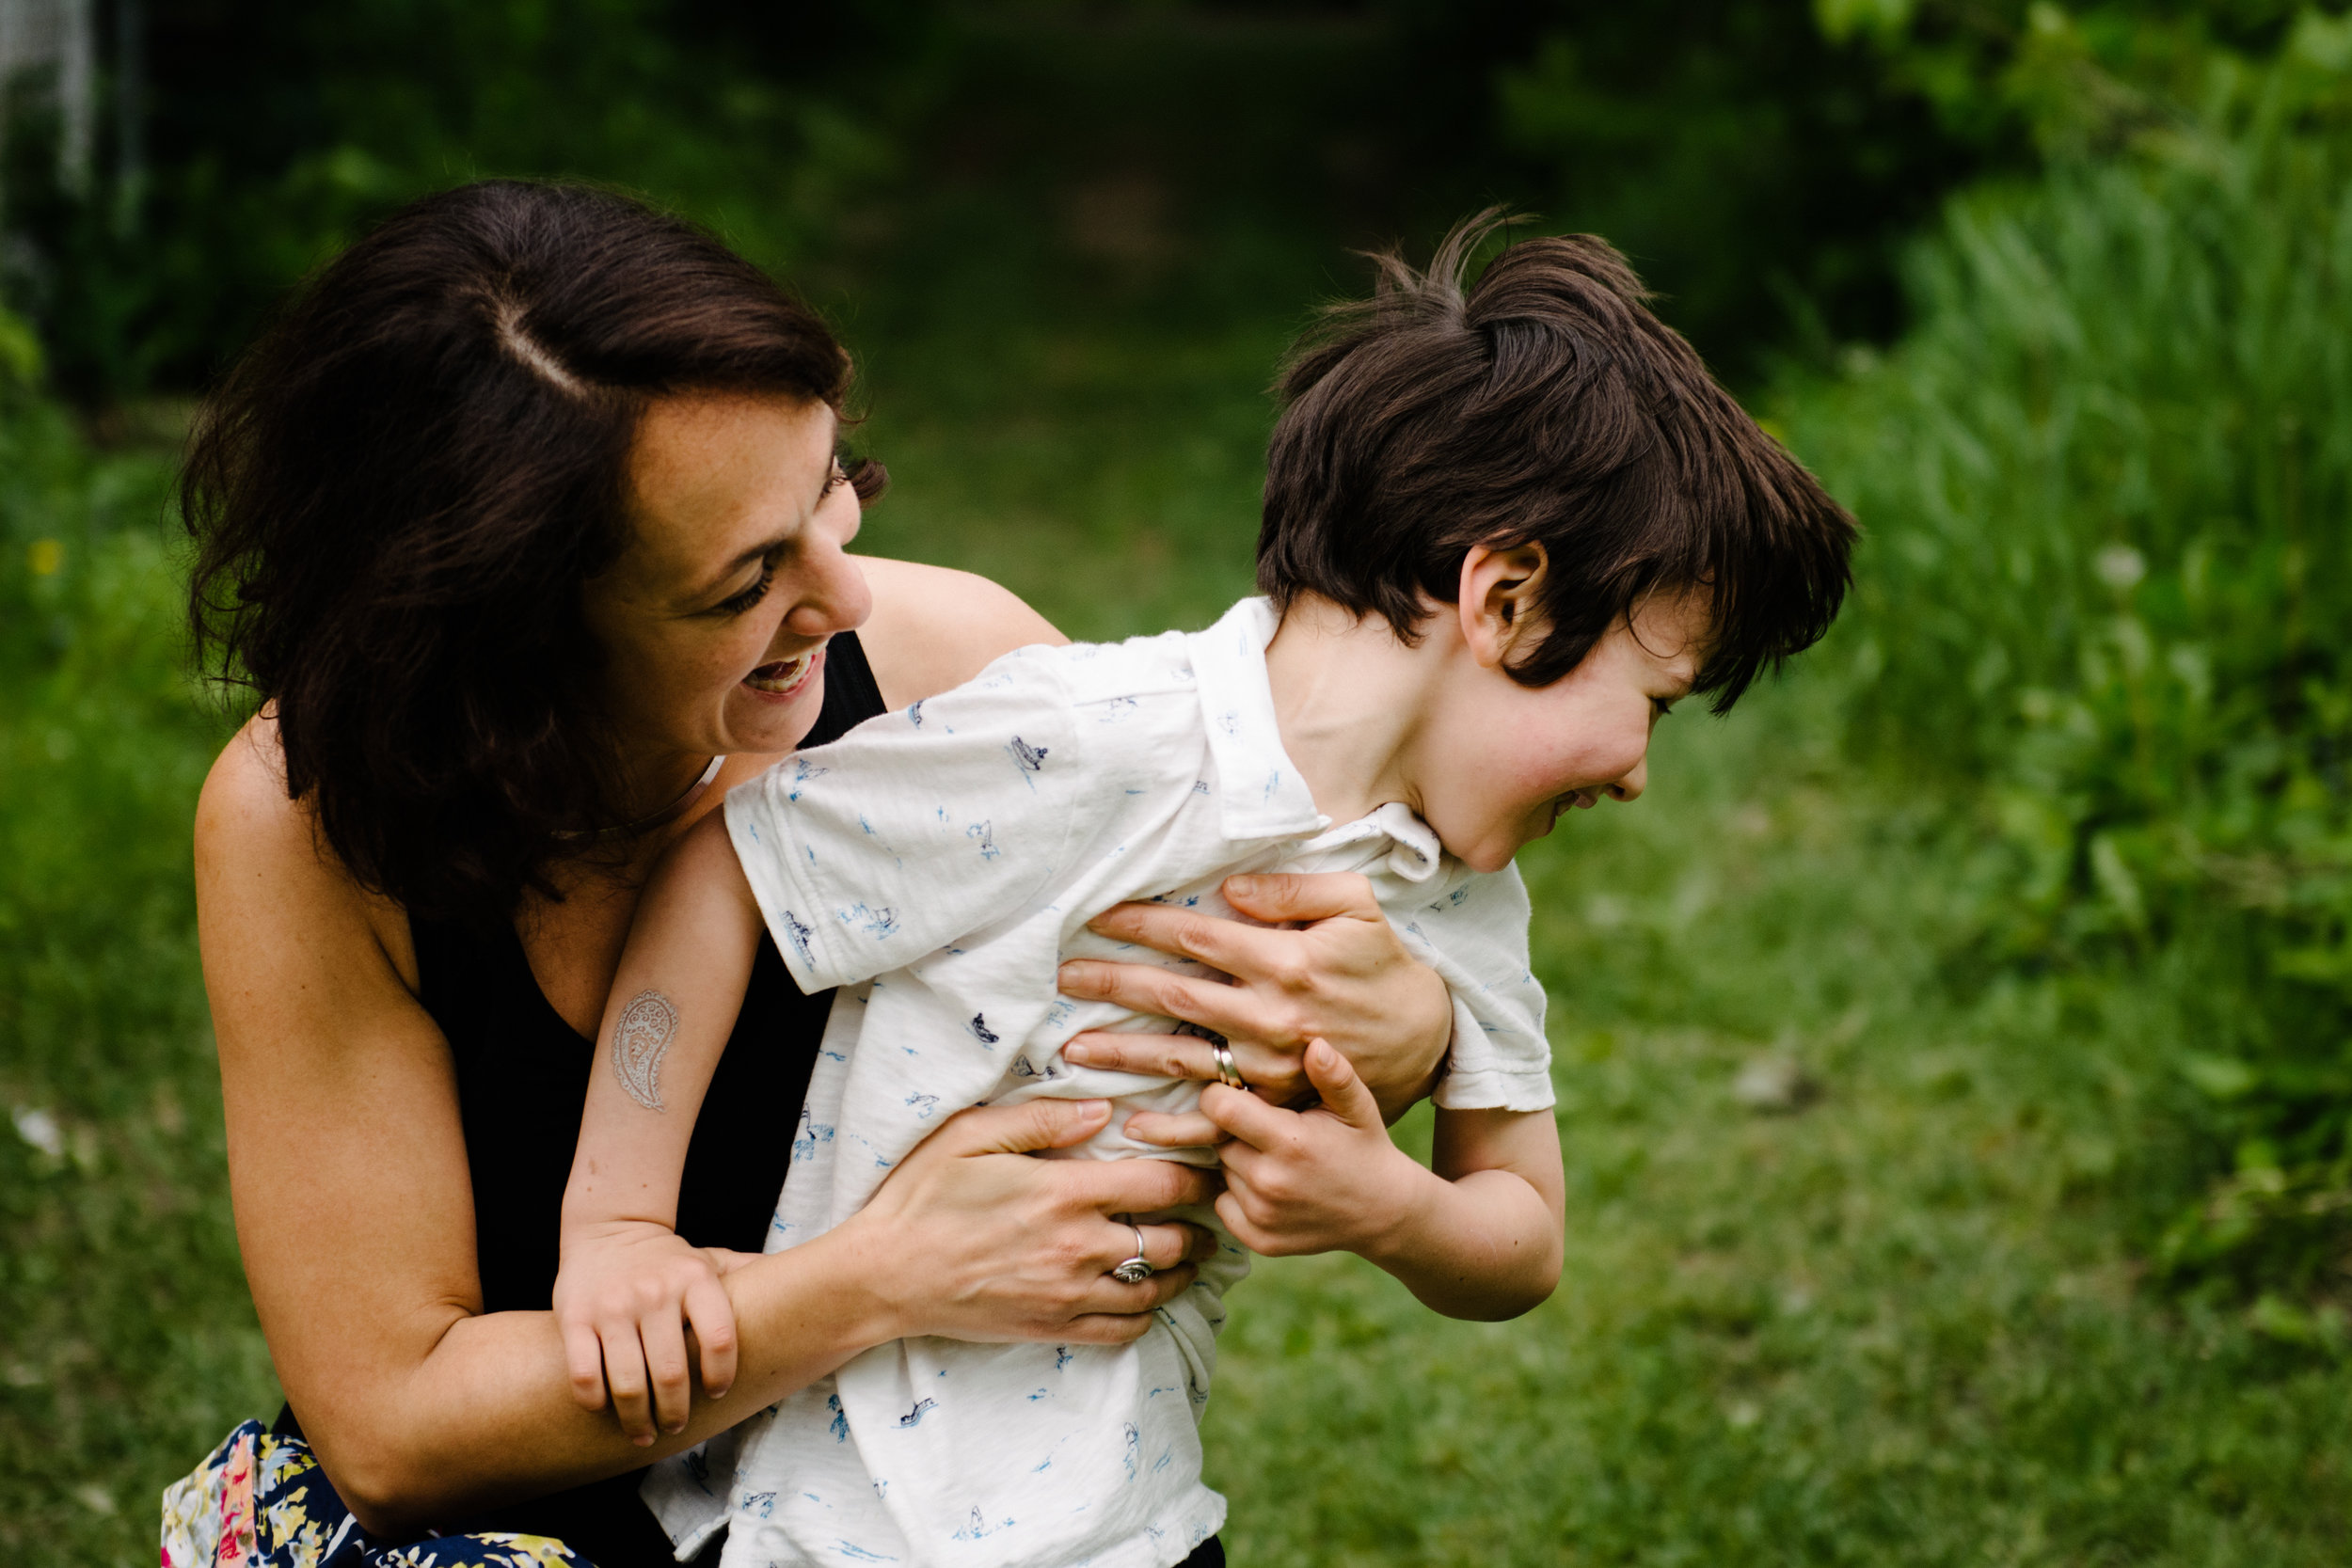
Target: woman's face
x=714 y=619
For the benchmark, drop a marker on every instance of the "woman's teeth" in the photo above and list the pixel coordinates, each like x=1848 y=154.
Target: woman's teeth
x=782 y=675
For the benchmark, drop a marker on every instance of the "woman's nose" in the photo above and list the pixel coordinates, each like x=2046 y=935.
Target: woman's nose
x=833 y=596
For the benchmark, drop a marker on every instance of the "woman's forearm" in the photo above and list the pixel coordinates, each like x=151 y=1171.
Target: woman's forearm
x=489 y=1415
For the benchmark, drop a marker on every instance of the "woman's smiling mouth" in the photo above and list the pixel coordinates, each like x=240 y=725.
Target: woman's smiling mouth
x=783 y=678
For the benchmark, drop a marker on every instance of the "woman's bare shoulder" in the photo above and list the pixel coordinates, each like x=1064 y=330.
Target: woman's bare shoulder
x=933 y=627
x=259 y=859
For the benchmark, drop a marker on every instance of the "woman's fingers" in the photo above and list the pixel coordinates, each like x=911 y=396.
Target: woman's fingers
x=1140 y=1186
x=1213 y=1005
x=1174 y=1128
x=1140 y=1299
x=1164 y=1245
x=1277 y=896
x=1279 y=1076
x=1020 y=1128
x=711 y=1316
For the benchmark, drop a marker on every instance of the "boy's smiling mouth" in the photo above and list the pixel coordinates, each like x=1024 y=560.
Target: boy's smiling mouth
x=1580 y=800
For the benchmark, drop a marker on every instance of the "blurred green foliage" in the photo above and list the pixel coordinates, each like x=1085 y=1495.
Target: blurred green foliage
x=1955 y=1049
x=2107 y=474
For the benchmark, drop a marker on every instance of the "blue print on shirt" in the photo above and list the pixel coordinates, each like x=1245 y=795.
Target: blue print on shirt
x=851 y=1550
x=1029 y=760
x=981 y=1031
x=760 y=1505
x=914 y=1417
x=1062 y=1357
x=914 y=711
x=924 y=1104
x=985 y=834
x=802 y=771
x=840 y=1418
x=978 y=1527
x=799 y=934
x=880 y=924
x=1134 y=1450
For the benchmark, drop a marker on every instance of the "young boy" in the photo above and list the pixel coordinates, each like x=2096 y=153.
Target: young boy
x=1504 y=529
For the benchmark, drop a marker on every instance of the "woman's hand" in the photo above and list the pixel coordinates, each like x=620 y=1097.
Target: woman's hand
x=972 y=1237
x=1343 y=975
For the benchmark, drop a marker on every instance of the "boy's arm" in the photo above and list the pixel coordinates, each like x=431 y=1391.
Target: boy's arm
x=628 y=1283
x=1478 y=1236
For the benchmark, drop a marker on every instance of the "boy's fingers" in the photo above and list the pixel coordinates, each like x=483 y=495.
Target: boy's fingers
x=664 y=1339
x=1344 y=1093
x=583 y=1364
x=625 y=1372
x=1235 y=1218
x=1274 y=897
x=1246 y=1116
x=713 y=1317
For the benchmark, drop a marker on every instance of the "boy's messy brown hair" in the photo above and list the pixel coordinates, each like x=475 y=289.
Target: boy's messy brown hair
x=1543 y=405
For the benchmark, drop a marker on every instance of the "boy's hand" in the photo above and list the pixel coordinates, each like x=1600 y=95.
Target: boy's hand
x=1322 y=1180
x=625 y=1296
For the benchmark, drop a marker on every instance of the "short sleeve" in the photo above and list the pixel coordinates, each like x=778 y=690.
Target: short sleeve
x=1473 y=932
x=917 y=828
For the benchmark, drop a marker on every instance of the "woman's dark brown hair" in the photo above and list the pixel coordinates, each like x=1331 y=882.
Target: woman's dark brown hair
x=398 y=494
x=1544 y=404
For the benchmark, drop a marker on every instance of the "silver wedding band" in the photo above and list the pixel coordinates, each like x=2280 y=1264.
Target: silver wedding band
x=1227 y=1073
x=1136 y=1269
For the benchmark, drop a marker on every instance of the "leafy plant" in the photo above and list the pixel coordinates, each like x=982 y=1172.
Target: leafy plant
x=2108 y=476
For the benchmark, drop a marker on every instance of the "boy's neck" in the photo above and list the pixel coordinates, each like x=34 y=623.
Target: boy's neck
x=1351 y=702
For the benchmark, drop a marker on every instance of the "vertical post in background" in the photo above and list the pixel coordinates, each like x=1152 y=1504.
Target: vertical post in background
x=77 y=93
x=130 y=105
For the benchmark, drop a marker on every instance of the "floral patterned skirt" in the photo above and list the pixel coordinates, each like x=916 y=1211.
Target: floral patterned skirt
x=262 y=1501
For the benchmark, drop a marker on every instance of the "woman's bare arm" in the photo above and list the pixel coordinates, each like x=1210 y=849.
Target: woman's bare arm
x=348 y=1171
x=934 y=628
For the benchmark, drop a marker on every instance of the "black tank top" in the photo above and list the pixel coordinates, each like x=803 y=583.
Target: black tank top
x=522 y=1080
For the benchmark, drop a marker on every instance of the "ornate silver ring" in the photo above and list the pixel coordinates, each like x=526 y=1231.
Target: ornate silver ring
x=1136 y=1269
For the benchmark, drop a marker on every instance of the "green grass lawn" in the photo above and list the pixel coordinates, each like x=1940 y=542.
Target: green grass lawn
x=1852 y=1238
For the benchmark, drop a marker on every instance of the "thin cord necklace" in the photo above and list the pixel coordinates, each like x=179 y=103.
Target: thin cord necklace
x=645 y=824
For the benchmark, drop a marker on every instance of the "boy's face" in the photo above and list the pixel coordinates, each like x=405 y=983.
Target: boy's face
x=1514 y=757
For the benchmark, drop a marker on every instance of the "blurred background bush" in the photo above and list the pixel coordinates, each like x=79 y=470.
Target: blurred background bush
x=1955 y=1047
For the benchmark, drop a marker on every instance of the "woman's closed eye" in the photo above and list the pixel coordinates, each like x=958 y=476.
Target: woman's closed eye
x=741 y=604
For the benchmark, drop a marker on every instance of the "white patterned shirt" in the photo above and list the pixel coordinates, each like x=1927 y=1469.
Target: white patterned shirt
x=937 y=865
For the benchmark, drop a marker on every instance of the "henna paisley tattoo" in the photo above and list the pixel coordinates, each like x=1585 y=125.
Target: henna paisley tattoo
x=640 y=1040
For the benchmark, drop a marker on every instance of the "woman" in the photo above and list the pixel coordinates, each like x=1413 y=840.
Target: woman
x=525 y=522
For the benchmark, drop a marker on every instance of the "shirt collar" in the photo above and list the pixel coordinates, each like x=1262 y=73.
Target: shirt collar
x=1260 y=792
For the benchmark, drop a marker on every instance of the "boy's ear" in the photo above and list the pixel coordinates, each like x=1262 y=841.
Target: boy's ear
x=1498 y=599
